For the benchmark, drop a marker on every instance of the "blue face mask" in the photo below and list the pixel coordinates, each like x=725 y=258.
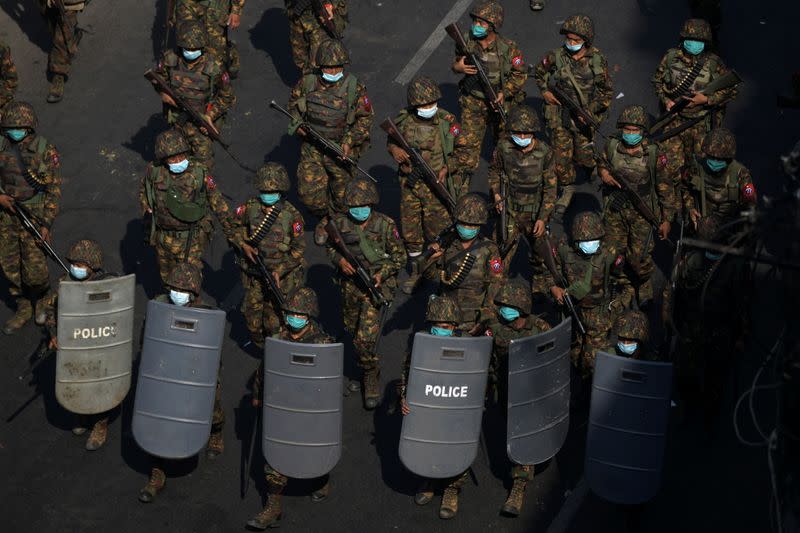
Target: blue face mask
x=519 y=141
x=191 y=55
x=269 y=198
x=479 y=32
x=466 y=234
x=589 y=247
x=360 y=214
x=441 y=332
x=716 y=165
x=428 y=112
x=711 y=256
x=178 y=168
x=332 y=78
x=631 y=139
x=16 y=134
x=627 y=349
x=179 y=298
x=296 y=322
x=573 y=47
x=79 y=273
x=509 y=314
x=694 y=47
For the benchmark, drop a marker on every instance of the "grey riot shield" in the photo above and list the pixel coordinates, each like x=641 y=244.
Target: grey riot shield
x=302 y=407
x=95 y=343
x=445 y=392
x=538 y=395
x=177 y=379
x=627 y=428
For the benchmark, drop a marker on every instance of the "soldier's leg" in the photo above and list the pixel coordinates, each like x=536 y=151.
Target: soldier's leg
x=640 y=259
x=34 y=274
x=338 y=178
x=540 y=276
x=10 y=261
x=99 y=433
x=520 y=474
x=202 y=145
x=563 y=150
x=509 y=248
x=583 y=151
x=312 y=180
x=216 y=442
x=675 y=160
x=474 y=117
x=598 y=325
x=158 y=478
x=65 y=45
x=411 y=218
x=253 y=309
x=270 y=515
x=298 y=42
x=449 y=506
x=367 y=333
x=617 y=238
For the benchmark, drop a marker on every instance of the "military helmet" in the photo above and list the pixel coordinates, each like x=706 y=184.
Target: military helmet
x=423 y=90
x=185 y=277
x=272 y=177
x=515 y=294
x=490 y=11
x=579 y=24
x=171 y=142
x=19 y=115
x=720 y=143
x=587 y=226
x=634 y=115
x=697 y=29
x=88 y=252
x=471 y=209
x=632 y=324
x=523 y=119
x=302 y=301
x=191 y=35
x=360 y=191
x=332 y=53
x=442 y=309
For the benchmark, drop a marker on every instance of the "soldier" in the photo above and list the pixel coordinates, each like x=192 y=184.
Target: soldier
x=183 y=286
x=632 y=158
x=522 y=167
x=30 y=175
x=470 y=270
x=716 y=183
x=512 y=320
x=505 y=68
x=630 y=337
x=66 y=35
x=681 y=75
x=590 y=271
x=308 y=28
x=300 y=325
x=8 y=76
x=580 y=70
x=218 y=17
x=270 y=227
x=199 y=77
x=373 y=240
x=434 y=132
x=179 y=195
x=336 y=104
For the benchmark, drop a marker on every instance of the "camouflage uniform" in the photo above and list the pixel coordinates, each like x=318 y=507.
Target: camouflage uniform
x=588 y=82
x=591 y=283
x=276 y=232
x=214 y=16
x=505 y=68
x=204 y=84
x=529 y=180
x=631 y=325
x=36 y=185
x=66 y=36
x=181 y=206
x=644 y=168
x=8 y=76
x=306 y=32
x=340 y=111
x=303 y=301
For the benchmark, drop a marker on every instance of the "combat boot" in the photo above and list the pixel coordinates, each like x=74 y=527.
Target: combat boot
x=321 y=494
x=98 y=435
x=20 y=318
x=56 y=88
x=449 y=506
x=216 y=445
x=157 y=481
x=372 y=394
x=40 y=312
x=414 y=278
x=513 y=504
x=270 y=516
x=424 y=493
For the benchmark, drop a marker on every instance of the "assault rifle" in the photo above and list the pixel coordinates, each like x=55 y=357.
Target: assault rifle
x=671 y=332
x=272 y=285
x=336 y=237
x=548 y=256
x=322 y=141
x=420 y=166
x=574 y=108
x=638 y=202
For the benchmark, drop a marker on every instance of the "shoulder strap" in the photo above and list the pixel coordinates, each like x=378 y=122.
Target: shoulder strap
x=597 y=64
x=352 y=97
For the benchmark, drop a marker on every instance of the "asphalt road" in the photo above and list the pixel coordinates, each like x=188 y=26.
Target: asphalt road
x=105 y=129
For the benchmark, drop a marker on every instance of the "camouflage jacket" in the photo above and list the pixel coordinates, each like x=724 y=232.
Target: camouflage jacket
x=216 y=11
x=204 y=84
x=724 y=194
x=310 y=20
x=503 y=333
x=40 y=188
x=529 y=176
x=591 y=280
x=504 y=64
x=8 y=75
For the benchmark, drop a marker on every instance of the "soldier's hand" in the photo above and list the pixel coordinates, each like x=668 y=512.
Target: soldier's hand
x=442 y=175
x=558 y=293
x=7 y=202
x=400 y=155
x=437 y=251
x=346 y=268
x=249 y=252
x=663 y=230
x=204 y=130
x=234 y=20
x=328 y=11
x=45 y=234
x=378 y=279
x=167 y=99
x=608 y=179
x=53 y=344
x=277 y=279
x=498 y=202
x=670 y=105
x=254 y=401
x=694 y=215
x=697 y=99
x=539 y=228
x=550 y=98
x=462 y=67
x=404 y=408
x=301 y=132
x=347 y=149
x=499 y=100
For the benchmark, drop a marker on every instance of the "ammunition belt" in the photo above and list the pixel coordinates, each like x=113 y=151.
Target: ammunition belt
x=461 y=274
x=686 y=83
x=263 y=228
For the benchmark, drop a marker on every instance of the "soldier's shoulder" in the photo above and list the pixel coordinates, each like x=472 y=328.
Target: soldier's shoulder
x=511 y=43
x=444 y=114
x=549 y=58
x=290 y=208
x=593 y=51
x=162 y=298
x=490 y=246
x=169 y=58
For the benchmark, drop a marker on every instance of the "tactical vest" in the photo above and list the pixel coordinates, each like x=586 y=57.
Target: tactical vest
x=175 y=210
x=24 y=185
x=525 y=173
x=369 y=244
x=329 y=110
x=462 y=276
x=431 y=137
x=578 y=76
x=598 y=275
x=640 y=172
x=679 y=71
x=494 y=62
x=276 y=241
x=196 y=86
x=719 y=195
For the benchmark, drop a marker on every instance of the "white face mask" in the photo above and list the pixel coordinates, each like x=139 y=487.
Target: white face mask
x=427 y=112
x=179 y=298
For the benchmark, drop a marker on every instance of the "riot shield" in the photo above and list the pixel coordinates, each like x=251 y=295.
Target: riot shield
x=445 y=392
x=302 y=407
x=95 y=343
x=538 y=395
x=177 y=379
x=627 y=428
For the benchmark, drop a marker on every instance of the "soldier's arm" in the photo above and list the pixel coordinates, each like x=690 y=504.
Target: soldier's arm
x=725 y=95
x=238 y=234
x=50 y=307
x=297 y=244
x=581 y=286
x=659 y=80
x=517 y=75
x=8 y=77
x=237 y=6
x=549 y=188
x=665 y=188
x=52 y=191
x=540 y=323
x=330 y=249
x=341 y=17
x=224 y=98
x=747 y=190
x=495 y=172
x=220 y=208
x=396 y=250
x=687 y=198
x=542 y=71
x=494 y=277
x=604 y=90
x=358 y=133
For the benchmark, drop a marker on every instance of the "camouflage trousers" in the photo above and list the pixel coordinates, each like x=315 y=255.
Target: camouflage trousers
x=261 y=314
x=22 y=260
x=276 y=482
x=218 y=417
x=202 y=145
x=362 y=319
x=598 y=322
x=171 y=248
x=475 y=118
x=455 y=482
x=522 y=472
x=571 y=146
x=672 y=150
x=629 y=233
x=216 y=31
x=305 y=38
x=520 y=226
x=321 y=181
x=422 y=215
x=65 y=40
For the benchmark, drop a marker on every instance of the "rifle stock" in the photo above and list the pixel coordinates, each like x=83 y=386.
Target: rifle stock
x=335 y=235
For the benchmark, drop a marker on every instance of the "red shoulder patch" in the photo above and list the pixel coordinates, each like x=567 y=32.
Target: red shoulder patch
x=56 y=160
x=297 y=228
x=396 y=233
x=210 y=183
x=240 y=210
x=545 y=61
x=518 y=61
x=455 y=130
x=662 y=160
x=488 y=332
x=226 y=78
x=749 y=192
x=619 y=260
x=367 y=103
x=496 y=264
